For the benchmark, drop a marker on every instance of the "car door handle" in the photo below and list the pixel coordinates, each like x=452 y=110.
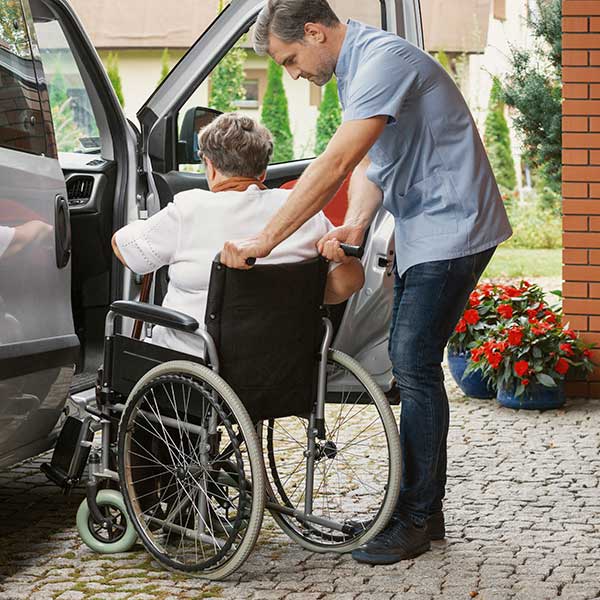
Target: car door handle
x=62 y=231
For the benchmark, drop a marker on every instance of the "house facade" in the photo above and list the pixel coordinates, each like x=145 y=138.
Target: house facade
x=474 y=33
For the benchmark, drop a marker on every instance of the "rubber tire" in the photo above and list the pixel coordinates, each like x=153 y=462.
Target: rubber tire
x=255 y=458
x=112 y=498
x=395 y=467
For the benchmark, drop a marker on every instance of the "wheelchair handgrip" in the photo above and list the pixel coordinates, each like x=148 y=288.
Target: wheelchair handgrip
x=349 y=250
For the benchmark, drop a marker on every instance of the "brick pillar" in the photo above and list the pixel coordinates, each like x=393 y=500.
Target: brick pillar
x=581 y=176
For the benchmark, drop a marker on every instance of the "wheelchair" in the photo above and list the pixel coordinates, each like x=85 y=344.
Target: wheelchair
x=193 y=450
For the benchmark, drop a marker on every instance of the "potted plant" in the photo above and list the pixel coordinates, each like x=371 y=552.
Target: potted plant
x=529 y=353
x=480 y=317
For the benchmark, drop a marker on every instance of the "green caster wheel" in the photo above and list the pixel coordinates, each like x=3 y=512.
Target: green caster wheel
x=119 y=537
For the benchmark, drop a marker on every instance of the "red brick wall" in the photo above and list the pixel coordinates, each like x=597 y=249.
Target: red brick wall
x=581 y=176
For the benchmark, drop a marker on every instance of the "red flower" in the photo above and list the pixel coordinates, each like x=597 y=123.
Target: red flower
x=485 y=289
x=587 y=352
x=521 y=368
x=532 y=314
x=515 y=336
x=550 y=316
x=474 y=299
x=570 y=333
x=525 y=382
x=476 y=354
x=505 y=310
x=562 y=366
x=567 y=349
x=494 y=358
x=471 y=316
x=461 y=327
x=512 y=291
x=525 y=284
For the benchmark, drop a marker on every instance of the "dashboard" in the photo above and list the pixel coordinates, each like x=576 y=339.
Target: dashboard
x=86 y=178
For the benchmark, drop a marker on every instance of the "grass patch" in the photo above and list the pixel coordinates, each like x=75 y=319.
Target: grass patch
x=524 y=262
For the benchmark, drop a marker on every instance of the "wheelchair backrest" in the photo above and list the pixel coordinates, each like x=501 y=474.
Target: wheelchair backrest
x=266 y=324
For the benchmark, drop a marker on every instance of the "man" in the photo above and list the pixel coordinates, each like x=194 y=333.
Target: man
x=409 y=137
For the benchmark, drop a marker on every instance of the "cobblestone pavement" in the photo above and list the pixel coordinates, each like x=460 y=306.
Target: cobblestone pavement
x=523 y=522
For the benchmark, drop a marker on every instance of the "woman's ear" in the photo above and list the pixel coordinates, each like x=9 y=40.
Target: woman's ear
x=262 y=176
x=210 y=169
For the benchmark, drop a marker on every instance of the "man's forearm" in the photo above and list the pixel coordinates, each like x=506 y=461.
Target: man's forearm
x=364 y=198
x=313 y=191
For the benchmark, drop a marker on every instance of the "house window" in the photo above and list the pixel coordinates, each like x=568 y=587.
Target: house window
x=252 y=94
x=500 y=10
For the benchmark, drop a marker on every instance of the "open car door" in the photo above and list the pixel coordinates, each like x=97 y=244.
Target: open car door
x=364 y=320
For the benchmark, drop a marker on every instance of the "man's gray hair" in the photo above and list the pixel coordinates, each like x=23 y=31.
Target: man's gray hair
x=285 y=19
x=237 y=145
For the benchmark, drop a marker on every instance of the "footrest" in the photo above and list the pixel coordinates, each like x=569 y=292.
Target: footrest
x=70 y=454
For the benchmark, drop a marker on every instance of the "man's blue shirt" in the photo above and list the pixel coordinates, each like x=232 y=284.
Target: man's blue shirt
x=429 y=161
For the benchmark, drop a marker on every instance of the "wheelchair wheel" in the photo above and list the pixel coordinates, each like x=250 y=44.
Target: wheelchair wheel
x=191 y=470
x=357 y=466
x=119 y=536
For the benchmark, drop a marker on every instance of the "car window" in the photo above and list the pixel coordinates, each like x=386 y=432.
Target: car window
x=21 y=119
x=301 y=116
x=74 y=121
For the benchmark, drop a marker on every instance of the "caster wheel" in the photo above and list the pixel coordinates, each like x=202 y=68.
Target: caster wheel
x=119 y=536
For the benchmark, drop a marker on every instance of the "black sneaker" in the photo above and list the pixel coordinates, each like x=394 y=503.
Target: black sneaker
x=436 y=526
x=400 y=540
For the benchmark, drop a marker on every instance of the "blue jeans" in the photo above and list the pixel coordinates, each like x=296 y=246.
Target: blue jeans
x=428 y=302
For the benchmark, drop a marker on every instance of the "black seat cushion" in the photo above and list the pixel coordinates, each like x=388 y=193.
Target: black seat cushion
x=266 y=323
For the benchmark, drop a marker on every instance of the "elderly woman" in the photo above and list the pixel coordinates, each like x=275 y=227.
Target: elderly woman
x=188 y=233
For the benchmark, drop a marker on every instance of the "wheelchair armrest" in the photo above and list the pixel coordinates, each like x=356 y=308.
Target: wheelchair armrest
x=151 y=313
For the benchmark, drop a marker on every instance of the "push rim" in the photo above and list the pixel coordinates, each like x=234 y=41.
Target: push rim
x=191 y=507
x=356 y=471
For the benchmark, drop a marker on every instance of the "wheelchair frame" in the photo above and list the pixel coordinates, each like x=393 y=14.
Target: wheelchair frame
x=102 y=419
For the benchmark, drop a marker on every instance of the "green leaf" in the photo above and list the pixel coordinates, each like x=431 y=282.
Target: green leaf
x=546 y=380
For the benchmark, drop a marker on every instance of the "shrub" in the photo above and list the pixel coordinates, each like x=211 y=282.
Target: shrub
x=112 y=69
x=534 y=226
x=66 y=130
x=330 y=116
x=533 y=87
x=227 y=81
x=497 y=140
x=164 y=65
x=275 y=115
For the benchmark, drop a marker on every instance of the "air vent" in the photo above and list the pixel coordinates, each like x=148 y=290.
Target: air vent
x=79 y=189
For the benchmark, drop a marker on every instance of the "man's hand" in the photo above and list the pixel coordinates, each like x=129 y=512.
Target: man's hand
x=235 y=253
x=329 y=244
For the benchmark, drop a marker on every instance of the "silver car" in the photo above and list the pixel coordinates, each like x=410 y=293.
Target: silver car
x=59 y=206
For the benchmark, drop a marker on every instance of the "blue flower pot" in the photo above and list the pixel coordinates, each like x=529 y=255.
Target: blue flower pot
x=535 y=397
x=473 y=385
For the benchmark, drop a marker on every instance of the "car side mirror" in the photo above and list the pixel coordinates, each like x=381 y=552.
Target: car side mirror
x=194 y=120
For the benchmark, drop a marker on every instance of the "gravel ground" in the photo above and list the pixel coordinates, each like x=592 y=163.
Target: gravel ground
x=522 y=510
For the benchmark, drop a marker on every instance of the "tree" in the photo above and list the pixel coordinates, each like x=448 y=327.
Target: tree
x=497 y=140
x=227 y=79
x=275 y=115
x=165 y=66
x=330 y=116
x=112 y=69
x=533 y=88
